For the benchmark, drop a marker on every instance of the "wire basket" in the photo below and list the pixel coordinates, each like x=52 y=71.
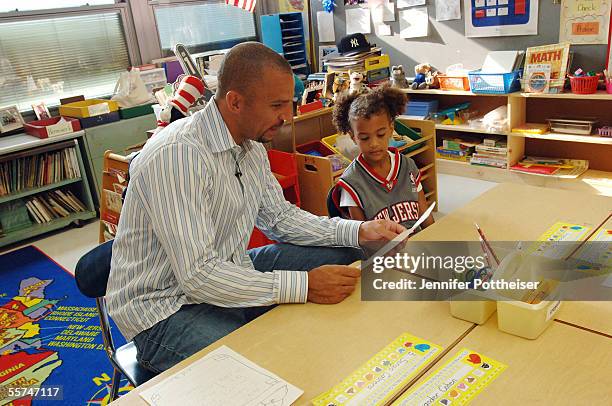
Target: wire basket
x=494 y=83
x=584 y=84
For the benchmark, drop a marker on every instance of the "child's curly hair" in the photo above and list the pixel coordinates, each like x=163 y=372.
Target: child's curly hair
x=383 y=98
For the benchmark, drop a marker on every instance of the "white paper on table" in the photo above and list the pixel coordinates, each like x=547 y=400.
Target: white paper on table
x=383 y=30
x=414 y=22
x=325 y=26
x=222 y=377
x=448 y=10
x=409 y=3
x=358 y=20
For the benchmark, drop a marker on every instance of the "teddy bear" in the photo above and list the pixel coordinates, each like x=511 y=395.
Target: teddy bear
x=425 y=77
x=398 y=77
x=357 y=85
x=340 y=87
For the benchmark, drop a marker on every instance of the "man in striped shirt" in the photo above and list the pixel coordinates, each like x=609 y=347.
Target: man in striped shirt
x=181 y=277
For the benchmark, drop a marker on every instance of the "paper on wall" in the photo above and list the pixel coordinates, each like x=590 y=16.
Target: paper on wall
x=409 y=3
x=358 y=20
x=448 y=10
x=414 y=22
x=325 y=26
x=383 y=30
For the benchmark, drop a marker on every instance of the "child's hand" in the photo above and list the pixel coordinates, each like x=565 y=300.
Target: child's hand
x=379 y=230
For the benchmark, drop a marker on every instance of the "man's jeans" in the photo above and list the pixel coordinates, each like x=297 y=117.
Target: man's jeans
x=196 y=326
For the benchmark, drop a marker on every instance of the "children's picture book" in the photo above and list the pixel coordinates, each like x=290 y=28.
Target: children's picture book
x=556 y=56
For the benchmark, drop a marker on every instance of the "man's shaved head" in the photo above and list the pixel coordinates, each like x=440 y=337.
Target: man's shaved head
x=244 y=65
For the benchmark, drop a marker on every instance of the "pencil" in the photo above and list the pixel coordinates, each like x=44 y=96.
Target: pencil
x=487 y=243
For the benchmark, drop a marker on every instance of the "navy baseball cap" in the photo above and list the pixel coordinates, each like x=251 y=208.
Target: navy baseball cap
x=353 y=44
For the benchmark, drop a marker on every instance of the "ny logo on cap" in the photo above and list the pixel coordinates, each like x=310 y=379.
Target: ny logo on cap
x=354 y=42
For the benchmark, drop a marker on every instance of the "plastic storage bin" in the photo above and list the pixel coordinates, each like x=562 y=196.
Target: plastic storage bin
x=99 y=120
x=520 y=318
x=454 y=82
x=422 y=108
x=494 y=83
x=135 y=111
x=88 y=108
x=584 y=84
x=473 y=308
x=316 y=148
x=49 y=127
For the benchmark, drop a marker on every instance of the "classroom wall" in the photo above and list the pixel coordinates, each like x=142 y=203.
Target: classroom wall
x=447 y=44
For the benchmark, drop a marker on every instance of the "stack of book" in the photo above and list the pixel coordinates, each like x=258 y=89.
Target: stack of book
x=492 y=152
x=342 y=64
x=38 y=170
x=49 y=206
x=554 y=167
x=457 y=149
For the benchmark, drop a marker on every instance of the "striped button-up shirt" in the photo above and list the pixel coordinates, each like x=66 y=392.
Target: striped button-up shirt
x=186 y=223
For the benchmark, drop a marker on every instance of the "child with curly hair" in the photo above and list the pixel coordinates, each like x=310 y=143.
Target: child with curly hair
x=380 y=182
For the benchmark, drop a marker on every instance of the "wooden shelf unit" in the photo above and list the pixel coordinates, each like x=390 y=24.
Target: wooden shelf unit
x=535 y=108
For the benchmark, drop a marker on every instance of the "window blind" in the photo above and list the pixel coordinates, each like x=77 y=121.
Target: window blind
x=51 y=58
x=203 y=27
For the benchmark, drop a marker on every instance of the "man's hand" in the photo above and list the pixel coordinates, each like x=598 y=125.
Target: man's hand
x=379 y=230
x=329 y=284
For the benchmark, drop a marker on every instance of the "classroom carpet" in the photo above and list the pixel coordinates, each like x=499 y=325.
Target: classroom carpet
x=49 y=336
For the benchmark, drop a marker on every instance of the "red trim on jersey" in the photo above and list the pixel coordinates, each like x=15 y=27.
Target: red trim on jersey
x=351 y=192
x=383 y=181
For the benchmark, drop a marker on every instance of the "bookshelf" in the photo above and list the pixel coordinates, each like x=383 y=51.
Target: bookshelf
x=534 y=108
x=49 y=172
x=114 y=179
x=284 y=33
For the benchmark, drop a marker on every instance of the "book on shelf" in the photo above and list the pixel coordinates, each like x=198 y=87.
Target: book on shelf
x=48 y=206
x=14 y=216
x=554 y=167
x=38 y=170
x=549 y=62
x=485 y=149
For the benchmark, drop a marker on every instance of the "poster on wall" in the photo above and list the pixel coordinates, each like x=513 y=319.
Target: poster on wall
x=496 y=18
x=584 y=21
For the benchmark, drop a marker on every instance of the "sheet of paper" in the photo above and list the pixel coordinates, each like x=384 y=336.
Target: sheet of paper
x=383 y=375
x=414 y=22
x=325 y=25
x=389 y=11
x=400 y=238
x=222 y=377
x=499 y=61
x=448 y=10
x=358 y=20
x=458 y=381
x=383 y=30
x=409 y=3
x=382 y=11
x=554 y=242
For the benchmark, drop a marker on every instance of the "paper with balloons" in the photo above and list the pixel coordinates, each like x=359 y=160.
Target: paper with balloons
x=384 y=375
x=456 y=382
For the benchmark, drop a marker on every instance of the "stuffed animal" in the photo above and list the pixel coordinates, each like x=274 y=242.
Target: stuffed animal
x=340 y=87
x=357 y=85
x=420 y=72
x=398 y=77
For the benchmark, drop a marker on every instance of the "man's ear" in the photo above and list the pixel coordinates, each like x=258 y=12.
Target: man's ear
x=234 y=101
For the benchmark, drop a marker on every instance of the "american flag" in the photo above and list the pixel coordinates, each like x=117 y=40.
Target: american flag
x=248 y=5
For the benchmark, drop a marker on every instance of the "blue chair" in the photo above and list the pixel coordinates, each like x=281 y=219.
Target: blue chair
x=91 y=275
